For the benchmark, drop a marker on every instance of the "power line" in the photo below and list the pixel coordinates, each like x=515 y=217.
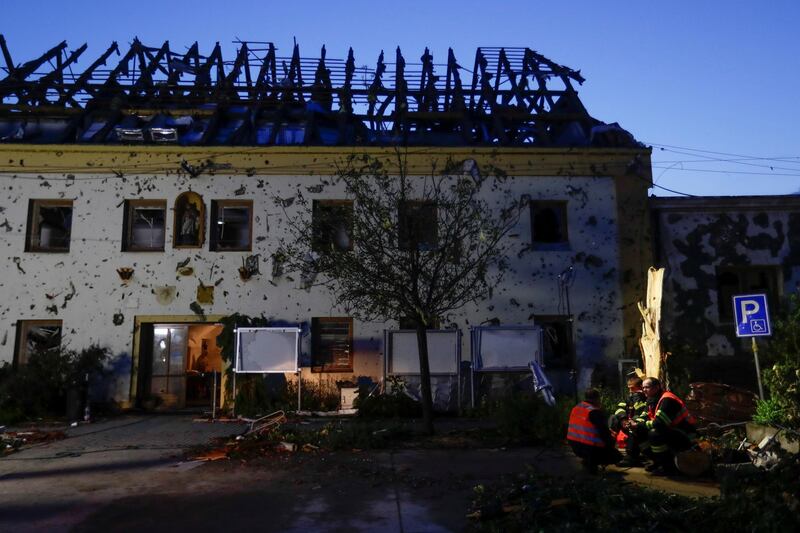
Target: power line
x=718 y=153
x=732 y=160
x=730 y=171
x=739 y=161
x=729 y=161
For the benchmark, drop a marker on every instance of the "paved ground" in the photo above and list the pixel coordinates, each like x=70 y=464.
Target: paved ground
x=56 y=485
x=126 y=475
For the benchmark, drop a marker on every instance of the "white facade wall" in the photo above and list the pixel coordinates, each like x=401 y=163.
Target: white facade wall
x=32 y=282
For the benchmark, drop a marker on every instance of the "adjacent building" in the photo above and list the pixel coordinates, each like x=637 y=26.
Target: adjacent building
x=713 y=248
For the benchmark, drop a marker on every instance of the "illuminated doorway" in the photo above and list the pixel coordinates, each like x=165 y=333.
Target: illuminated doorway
x=179 y=365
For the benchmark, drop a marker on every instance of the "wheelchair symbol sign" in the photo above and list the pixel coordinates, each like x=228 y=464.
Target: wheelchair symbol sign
x=752 y=315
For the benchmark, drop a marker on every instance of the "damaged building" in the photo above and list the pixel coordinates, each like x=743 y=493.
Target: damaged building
x=714 y=248
x=143 y=195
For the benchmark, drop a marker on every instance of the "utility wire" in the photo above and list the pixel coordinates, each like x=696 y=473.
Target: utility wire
x=732 y=160
x=716 y=153
x=740 y=161
x=731 y=171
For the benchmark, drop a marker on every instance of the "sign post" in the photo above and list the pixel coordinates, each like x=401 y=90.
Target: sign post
x=752 y=320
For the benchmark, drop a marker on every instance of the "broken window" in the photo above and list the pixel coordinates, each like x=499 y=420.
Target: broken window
x=733 y=281
x=190 y=219
x=332 y=344
x=144 y=224
x=332 y=225
x=557 y=348
x=49 y=226
x=35 y=336
x=417 y=225
x=549 y=224
x=231 y=225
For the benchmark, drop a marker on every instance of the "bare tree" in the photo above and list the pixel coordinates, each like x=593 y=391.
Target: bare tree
x=411 y=247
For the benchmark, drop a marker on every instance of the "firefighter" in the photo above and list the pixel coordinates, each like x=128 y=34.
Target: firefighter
x=633 y=408
x=670 y=427
x=588 y=433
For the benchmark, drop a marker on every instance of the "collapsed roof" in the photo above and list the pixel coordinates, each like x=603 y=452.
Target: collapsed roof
x=511 y=97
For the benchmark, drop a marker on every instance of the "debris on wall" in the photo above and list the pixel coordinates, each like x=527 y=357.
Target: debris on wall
x=125 y=274
x=198 y=310
x=165 y=295
x=205 y=293
x=249 y=267
x=17 y=261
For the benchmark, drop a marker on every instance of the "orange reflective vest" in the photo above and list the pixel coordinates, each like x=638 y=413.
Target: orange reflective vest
x=684 y=413
x=581 y=429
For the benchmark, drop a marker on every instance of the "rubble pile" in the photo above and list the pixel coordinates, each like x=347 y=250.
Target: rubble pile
x=11 y=441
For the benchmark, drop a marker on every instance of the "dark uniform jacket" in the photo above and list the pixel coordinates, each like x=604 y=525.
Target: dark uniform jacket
x=633 y=408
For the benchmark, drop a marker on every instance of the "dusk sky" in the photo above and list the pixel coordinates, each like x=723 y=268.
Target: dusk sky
x=712 y=86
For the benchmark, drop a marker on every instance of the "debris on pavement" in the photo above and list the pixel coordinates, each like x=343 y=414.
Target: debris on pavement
x=11 y=441
x=212 y=455
x=265 y=423
x=286 y=446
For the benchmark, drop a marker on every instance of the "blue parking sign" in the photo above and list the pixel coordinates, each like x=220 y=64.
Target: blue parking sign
x=752 y=315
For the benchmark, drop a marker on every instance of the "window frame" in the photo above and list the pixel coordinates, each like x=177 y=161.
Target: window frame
x=218 y=206
x=316 y=365
x=774 y=294
x=568 y=358
x=34 y=227
x=320 y=244
x=128 y=221
x=21 y=355
x=408 y=237
x=561 y=209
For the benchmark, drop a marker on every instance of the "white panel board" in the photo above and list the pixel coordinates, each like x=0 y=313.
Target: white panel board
x=442 y=352
x=508 y=348
x=266 y=350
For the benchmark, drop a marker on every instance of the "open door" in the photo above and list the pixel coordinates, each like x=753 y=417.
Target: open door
x=203 y=365
x=179 y=365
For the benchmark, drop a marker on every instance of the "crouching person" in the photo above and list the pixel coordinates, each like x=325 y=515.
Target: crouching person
x=588 y=433
x=633 y=409
x=670 y=427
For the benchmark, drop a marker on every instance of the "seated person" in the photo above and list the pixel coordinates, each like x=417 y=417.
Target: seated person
x=634 y=407
x=588 y=434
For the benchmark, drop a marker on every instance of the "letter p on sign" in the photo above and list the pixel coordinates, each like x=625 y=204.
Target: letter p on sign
x=749 y=307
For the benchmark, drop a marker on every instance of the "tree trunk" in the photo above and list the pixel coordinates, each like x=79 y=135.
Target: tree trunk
x=425 y=375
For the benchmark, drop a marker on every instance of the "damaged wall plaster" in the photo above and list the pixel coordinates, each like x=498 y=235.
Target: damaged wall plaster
x=91 y=292
x=697 y=237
